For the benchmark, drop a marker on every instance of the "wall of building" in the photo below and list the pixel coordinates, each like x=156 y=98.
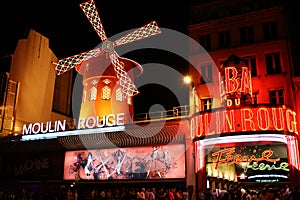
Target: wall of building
x=31 y=66
x=263 y=82
x=218 y=17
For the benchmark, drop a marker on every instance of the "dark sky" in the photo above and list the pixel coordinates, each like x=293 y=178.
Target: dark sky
x=70 y=32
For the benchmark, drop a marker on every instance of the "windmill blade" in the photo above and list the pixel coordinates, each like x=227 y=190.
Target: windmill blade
x=65 y=64
x=148 y=30
x=128 y=87
x=90 y=11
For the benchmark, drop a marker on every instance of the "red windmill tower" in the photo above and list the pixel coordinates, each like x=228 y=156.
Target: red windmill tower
x=107 y=77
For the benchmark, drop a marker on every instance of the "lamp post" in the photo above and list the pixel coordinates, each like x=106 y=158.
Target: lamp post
x=188 y=80
x=191 y=180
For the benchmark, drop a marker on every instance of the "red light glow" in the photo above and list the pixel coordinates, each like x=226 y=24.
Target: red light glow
x=244 y=119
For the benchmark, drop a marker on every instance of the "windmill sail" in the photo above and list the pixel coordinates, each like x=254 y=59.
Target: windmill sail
x=128 y=87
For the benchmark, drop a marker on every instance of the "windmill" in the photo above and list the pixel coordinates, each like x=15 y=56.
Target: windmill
x=128 y=87
x=107 y=83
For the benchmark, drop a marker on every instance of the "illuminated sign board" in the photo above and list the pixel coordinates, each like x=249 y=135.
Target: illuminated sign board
x=246 y=162
x=147 y=162
x=97 y=122
x=237 y=79
x=48 y=127
x=58 y=128
x=237 y=82
x=259 y=118
x=254 y=162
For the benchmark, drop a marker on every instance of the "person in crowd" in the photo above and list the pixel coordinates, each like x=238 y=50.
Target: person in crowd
x=295 y=194
x=208 y=194
x=171 y=194
x=178 y=194
x=161 y=195
x=201 y=195
x=269 y=192
x=124 y=193
x=247 y=194
x=132 y=194
x=102 y=194
x=152 y=194
x=253 y=195
x=70 y=195
x=76 y=195
x=214 y=194
x=141 y=194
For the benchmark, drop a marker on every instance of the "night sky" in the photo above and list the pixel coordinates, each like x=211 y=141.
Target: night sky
x=68 y=29
x=70 y=32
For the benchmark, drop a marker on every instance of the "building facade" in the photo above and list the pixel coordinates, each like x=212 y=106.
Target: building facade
x=238 y=91
x=105 y=146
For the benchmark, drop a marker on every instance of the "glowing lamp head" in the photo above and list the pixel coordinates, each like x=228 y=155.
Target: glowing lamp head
x=187 y=80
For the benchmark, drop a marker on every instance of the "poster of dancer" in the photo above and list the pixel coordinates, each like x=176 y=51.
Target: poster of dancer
x=151 y=162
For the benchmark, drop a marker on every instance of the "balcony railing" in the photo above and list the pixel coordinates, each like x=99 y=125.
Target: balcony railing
x=175 y=113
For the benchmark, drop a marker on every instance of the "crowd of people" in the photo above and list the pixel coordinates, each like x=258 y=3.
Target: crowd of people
x=73 y=192
x=241 y=192
x=98 y=193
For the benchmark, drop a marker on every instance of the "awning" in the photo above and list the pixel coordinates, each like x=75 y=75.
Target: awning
x=136 y=136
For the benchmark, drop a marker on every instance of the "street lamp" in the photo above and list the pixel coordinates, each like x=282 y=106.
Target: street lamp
x=188 y=80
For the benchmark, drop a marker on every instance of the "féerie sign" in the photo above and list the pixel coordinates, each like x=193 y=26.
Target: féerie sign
x=229 y=156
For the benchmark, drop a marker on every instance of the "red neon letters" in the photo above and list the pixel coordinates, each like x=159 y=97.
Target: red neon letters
x=236 y=82
x=244 y=119
x=232 y=158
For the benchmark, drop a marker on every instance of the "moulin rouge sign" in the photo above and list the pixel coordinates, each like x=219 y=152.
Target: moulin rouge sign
x=237 y=79
x=260 y=118
x=83 y=123
x=239 y=115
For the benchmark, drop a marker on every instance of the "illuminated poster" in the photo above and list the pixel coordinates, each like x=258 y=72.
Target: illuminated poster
x=152 y=162
x=251 y=163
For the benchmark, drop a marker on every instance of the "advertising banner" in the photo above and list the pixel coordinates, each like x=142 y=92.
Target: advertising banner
x=151 y=162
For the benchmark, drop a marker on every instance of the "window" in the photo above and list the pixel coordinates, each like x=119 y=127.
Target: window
x=223 y=13
x=276 y=96
x=270 y=30
x=206 y=104
x=224 y=39
x=273 y=63
x=205 y=42
x=245 y=8
x=129 y=100
x=93 y=94
x=119 y=94
x=255 y=97
x=206 y=73
x=247 y=35
x=105 y=93
x=251 y=62
x=62 y=93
